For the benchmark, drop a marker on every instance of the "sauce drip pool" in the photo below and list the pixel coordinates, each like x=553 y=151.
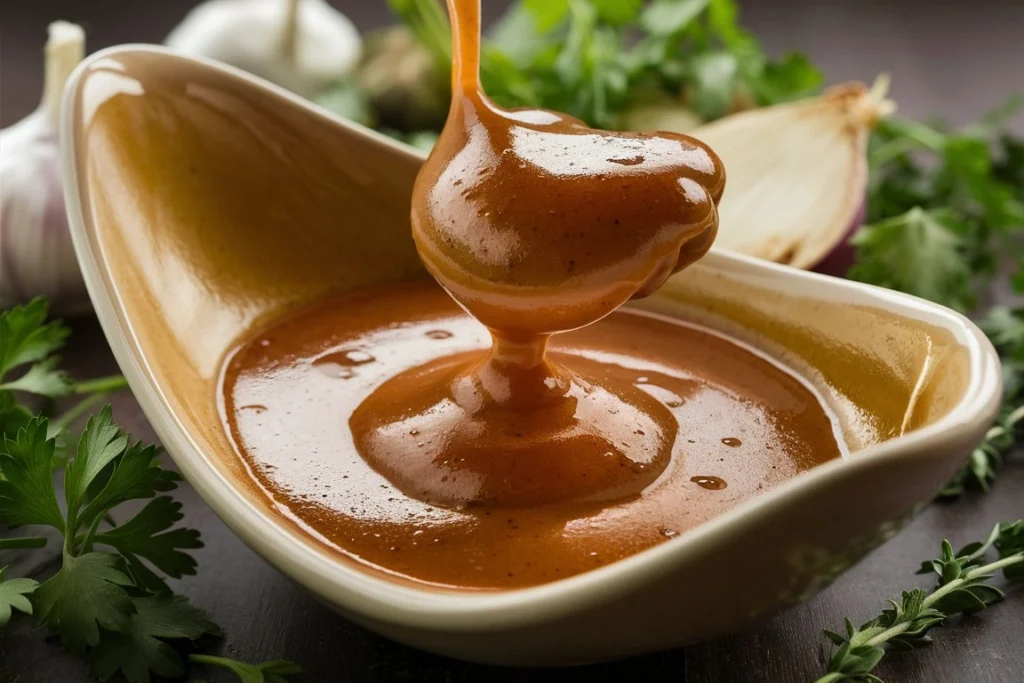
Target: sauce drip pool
x=537 y=224
x=299 y=443
x=553 y=434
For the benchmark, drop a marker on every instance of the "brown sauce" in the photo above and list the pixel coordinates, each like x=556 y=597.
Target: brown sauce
x=412 y=437
x=743 y=424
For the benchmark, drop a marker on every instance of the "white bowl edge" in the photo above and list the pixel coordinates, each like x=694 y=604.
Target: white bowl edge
x=338 y=581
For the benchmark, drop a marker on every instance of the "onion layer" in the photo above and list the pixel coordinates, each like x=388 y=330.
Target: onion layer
x=797 y=175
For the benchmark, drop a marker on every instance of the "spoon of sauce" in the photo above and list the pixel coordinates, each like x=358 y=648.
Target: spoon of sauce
x=537 y=224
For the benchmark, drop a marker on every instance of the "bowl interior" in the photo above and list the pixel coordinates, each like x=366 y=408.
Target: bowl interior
x=213 y=204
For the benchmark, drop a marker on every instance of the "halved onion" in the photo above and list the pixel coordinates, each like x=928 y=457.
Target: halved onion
x=796 y=175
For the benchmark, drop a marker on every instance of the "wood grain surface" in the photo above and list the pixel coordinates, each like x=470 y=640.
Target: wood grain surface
x=953 y=60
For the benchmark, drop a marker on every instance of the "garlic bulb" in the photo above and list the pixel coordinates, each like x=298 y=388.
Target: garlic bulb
x=403 y=82
x=301 y=45
x=36 y=255
x=796 y=173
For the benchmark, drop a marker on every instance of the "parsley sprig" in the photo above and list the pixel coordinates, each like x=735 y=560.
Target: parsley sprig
x=109 y=600
x=964 y=586
x=28 y=369
x=944 y=212
x=593 y=59
x=14 y=595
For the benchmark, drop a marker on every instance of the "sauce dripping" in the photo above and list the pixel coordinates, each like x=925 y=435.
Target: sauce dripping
x=537 y=224
x=298 y=445
x=542 y=444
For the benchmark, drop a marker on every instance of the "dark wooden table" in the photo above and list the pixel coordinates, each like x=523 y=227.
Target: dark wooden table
x=953 y=60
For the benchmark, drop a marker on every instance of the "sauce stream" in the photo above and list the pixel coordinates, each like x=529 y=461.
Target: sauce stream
x=538 y=432
x=537 y=224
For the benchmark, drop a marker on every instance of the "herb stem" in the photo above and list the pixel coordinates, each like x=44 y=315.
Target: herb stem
x=26 y=542
x=923 y=135
x=103 y=385
x=61 y=423
x=944 y=590
x=888 y=634
x=87 y=540
x=830 y=678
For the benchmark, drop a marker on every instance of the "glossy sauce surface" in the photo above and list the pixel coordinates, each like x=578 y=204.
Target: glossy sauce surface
x=294 y=398
x=559 y=435
x=537 y=224
x=541 y=443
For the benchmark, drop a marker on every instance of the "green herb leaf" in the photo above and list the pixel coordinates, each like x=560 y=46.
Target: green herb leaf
x=713 y=80
x=616 y=12
x=136 y=474
x=26 y=488
x=791 y=77
x=142 y=648
x=1010 y=543
x=547 y=14
x=14 y=595
x=111 y=607
x=42 y=379
x=663 y=18
x=267 y=672
x=26 y=337
x=148 y=535
x=519 y=36
x=916 y=252
x=87 y=592
x=100 y=444
x=13 y=416
x=987 y=459
x=963 y=587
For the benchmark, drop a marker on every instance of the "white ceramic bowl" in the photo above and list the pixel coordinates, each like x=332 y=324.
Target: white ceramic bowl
x=202 y=201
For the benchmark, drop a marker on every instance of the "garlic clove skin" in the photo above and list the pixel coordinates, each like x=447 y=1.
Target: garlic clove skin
x=797 y=174
x=36 y=254
x=301 y=45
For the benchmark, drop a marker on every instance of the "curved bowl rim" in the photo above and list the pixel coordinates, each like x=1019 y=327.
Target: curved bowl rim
x=340 y=581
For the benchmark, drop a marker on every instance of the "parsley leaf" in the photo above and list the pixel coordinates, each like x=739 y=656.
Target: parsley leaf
x=664 y=18
x=593 y=59
x=142 y=646
x=952 y=184
x=13 y=595
x=110 y=606
x=25 y=337
x=13 y=415
x=915 y=252
x=267 y=672
x=146 y=536
x=136 y=474
x=617 y=12
x=26 y=488
x=42 y=379
x=87 y=592
x=547 y=13
x=99 y=445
